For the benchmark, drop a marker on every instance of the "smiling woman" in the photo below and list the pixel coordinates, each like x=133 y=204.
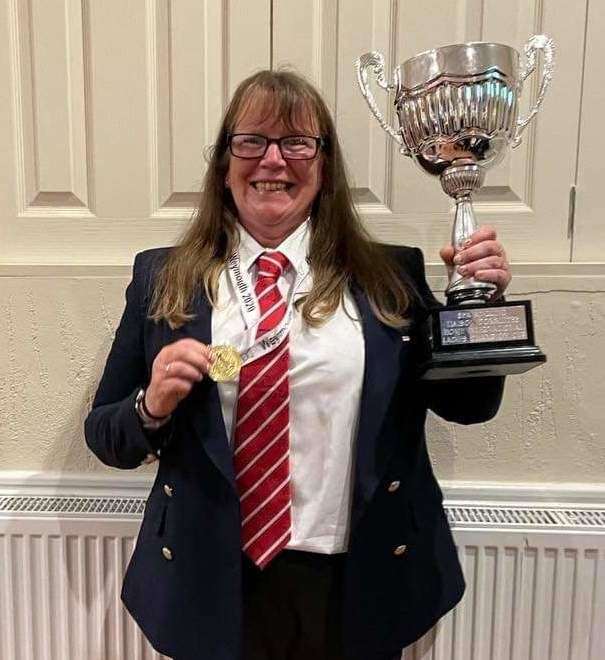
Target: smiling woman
x=269 y=361
x=273 y=193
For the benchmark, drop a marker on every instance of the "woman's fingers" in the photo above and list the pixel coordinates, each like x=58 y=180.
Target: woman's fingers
x=480 y=250
x=447 y=254
x=500 y=278
x=176 y=368
x=487 y=263
x=186 y=370
x=482 y=257
x=187 y=356
x=484 y=233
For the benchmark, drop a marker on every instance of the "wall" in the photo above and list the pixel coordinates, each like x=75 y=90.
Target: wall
x=57 y=331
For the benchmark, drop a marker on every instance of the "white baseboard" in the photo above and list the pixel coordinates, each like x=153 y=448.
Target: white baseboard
x=128 y=484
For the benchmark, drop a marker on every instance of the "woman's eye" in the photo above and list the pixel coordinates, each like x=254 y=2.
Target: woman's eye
x=296 y=143
x=251 y=141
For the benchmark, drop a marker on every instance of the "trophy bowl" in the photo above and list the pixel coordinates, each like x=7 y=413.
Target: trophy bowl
x=458 y=112
x=459 y=102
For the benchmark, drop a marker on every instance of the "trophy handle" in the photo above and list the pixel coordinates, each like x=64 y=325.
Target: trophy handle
x=375 y=60
x=537 y=42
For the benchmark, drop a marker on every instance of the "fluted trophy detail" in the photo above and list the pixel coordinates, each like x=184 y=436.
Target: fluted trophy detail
x=457 y=108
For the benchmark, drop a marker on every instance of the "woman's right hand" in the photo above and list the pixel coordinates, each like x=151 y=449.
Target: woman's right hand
x=175 y=370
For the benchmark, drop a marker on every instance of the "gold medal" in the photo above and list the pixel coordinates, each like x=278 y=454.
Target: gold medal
x=226 y=365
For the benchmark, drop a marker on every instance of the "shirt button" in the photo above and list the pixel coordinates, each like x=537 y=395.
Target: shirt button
x=167 y=552
x=393 y=486
x=168 y=490
x=399 y=550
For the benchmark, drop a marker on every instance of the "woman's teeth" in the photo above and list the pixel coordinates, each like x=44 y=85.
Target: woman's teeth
x=270 y=186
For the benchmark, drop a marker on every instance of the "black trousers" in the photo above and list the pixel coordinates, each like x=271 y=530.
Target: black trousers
x=292 y=608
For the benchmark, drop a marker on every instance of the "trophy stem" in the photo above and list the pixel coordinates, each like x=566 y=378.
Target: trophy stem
x=459 y=181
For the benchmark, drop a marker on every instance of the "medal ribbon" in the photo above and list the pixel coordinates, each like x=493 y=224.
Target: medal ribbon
x=251 y=347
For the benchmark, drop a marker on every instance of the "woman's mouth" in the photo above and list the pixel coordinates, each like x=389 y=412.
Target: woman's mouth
x=271 y=186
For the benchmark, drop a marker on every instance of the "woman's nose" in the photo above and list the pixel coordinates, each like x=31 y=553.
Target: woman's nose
x=273 y=155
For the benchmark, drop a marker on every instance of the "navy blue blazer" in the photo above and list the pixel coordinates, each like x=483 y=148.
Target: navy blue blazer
x=190 y=606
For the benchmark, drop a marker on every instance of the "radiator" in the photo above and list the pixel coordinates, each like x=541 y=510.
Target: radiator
x=535 y=575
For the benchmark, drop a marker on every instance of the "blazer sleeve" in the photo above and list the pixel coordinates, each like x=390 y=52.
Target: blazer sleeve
x=112 y=429
x=461 y=400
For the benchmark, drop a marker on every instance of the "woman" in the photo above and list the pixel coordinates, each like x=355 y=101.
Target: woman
x=295 y=513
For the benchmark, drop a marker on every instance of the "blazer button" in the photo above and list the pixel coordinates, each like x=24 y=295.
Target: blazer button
x=393 y=486
x=168 y=490
x=400 y=549
x=167 y=552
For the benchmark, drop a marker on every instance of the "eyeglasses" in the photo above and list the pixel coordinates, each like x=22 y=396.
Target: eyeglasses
x=291 y=147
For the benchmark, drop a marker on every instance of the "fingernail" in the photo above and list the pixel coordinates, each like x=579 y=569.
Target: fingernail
x=463 y=270
x=458 y=259
x=467 y=242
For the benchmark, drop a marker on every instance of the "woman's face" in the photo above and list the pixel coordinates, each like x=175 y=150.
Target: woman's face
x=266 y=208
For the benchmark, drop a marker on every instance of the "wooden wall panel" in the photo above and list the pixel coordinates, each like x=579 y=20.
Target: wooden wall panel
x=48 y=61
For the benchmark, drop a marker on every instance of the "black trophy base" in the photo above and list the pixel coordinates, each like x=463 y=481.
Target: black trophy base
x=476 y=340
x=482 y=362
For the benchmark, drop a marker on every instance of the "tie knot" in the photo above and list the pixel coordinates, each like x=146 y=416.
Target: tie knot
x=272 y=265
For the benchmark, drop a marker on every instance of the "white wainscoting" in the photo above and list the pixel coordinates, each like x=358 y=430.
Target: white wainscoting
x=533 y=558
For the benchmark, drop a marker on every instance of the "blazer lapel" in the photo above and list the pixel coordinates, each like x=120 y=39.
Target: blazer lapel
x=383 y=361
x=207 y=412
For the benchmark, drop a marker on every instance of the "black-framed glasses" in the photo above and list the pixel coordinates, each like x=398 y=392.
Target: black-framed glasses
x=291 y=147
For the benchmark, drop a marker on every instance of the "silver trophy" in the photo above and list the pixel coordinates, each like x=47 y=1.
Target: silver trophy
x=458 y=111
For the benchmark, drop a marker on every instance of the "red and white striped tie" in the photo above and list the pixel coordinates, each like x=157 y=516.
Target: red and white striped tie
x=261 y=449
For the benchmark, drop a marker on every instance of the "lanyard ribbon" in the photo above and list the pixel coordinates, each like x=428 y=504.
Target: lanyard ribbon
x=247 y=343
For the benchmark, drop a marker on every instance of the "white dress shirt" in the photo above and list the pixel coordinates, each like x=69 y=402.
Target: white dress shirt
x=326 y=375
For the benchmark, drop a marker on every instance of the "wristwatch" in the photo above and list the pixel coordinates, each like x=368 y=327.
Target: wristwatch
x=149 y=421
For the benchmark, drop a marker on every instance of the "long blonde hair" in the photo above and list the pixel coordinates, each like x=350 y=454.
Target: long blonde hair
x=341 y=252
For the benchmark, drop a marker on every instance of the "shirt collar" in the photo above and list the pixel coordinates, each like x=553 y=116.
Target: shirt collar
x=295 y=247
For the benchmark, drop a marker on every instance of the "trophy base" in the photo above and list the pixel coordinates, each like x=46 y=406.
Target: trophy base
x=481 y=362
x=488 y=339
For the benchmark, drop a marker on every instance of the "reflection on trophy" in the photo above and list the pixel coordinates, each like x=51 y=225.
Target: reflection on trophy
x=458 y=112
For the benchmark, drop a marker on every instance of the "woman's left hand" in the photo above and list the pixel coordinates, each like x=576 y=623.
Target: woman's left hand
x=483 y=258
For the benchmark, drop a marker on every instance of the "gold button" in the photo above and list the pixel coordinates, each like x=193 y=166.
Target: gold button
x=168 y=490
x=167 y=552
x=400 y=549
x=393 y=486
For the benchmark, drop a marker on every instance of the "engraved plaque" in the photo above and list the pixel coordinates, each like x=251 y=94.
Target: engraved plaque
x=484 y=325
